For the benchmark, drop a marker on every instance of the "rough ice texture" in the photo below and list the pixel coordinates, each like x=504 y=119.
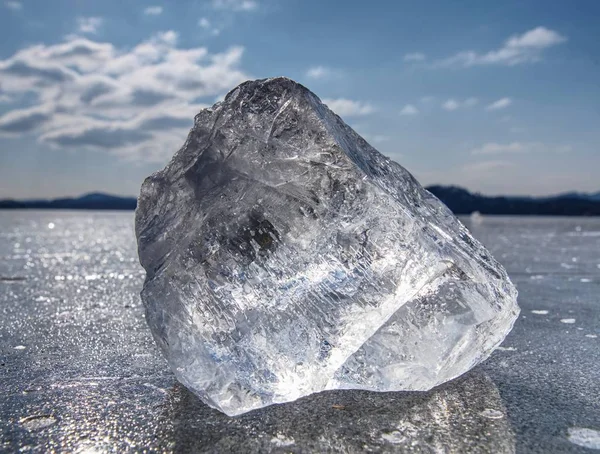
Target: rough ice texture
x=286 y=256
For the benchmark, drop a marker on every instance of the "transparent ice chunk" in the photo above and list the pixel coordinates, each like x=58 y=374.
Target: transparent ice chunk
x=284 y=256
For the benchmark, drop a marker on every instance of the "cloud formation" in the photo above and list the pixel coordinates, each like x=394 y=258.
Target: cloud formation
x=136 y=103
x=24 y=120
x=450 y=105
x=492 y=148
x=517 y=49
x=206 y=24
x=153 y=11
x=318 y=72
x=235 y=5
x=414 y=57
x=349 y=108
x=89 y=24
x=454 y=104
x=409 y=109
x=500 y=104
x=14 y=5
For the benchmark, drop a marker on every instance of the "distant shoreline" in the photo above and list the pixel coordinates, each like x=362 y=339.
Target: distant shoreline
x=459 y=200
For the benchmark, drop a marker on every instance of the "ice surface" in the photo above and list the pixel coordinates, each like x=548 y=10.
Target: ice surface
x=286 y=256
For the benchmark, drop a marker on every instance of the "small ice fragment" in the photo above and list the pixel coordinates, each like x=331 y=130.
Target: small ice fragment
x=591 y=336
x=20 y=347
x=587 y=438
x=539 y=312
x=507 y=349
x=394 y=437
x=585 y=279
x=156 y=388
x=281 y=440
x=37 y=422
x=568 y=321
x=490 y=413
x=51 y=225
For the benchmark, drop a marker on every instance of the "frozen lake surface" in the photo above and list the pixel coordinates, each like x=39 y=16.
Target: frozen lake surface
x=80 y=372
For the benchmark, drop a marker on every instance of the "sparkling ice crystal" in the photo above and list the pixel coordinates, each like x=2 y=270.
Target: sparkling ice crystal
x=286 y=256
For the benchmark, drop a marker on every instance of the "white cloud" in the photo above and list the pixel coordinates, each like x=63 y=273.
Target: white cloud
x=409 y=109
x=24 y=120
x=169 y=38
x=89 y=24
x=454 y=104
x=492 y=148
x=486 y=166
x=538 y=38
x=205 y=24
x=349 y=108
x=153 y=10
x=450 y=105
x=136 y=103
x=235 y=5
x=318 y=72
x=525 y=48
x=414 y=56
x=500 y=104
x=14 y=5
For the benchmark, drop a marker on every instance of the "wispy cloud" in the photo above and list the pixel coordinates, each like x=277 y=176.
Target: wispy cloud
x=409 y=109
x=502 y=103
x=492 y=148
x=235 y=5
x=451 y=104
x=319 y=72
x=349 y=108
x=486 y=166
x=25 y=120
x=14 y=5
x=89 y=24
x=455 y=104
x=207 y=25
x=414 y=57
x=525 y=48
x=134 y=103
x=153 y=11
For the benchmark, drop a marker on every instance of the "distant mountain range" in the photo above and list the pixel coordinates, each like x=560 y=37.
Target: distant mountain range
x=459 y=200
x=93 y=201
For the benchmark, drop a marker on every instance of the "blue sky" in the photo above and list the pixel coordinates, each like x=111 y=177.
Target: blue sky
x=498 y=97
